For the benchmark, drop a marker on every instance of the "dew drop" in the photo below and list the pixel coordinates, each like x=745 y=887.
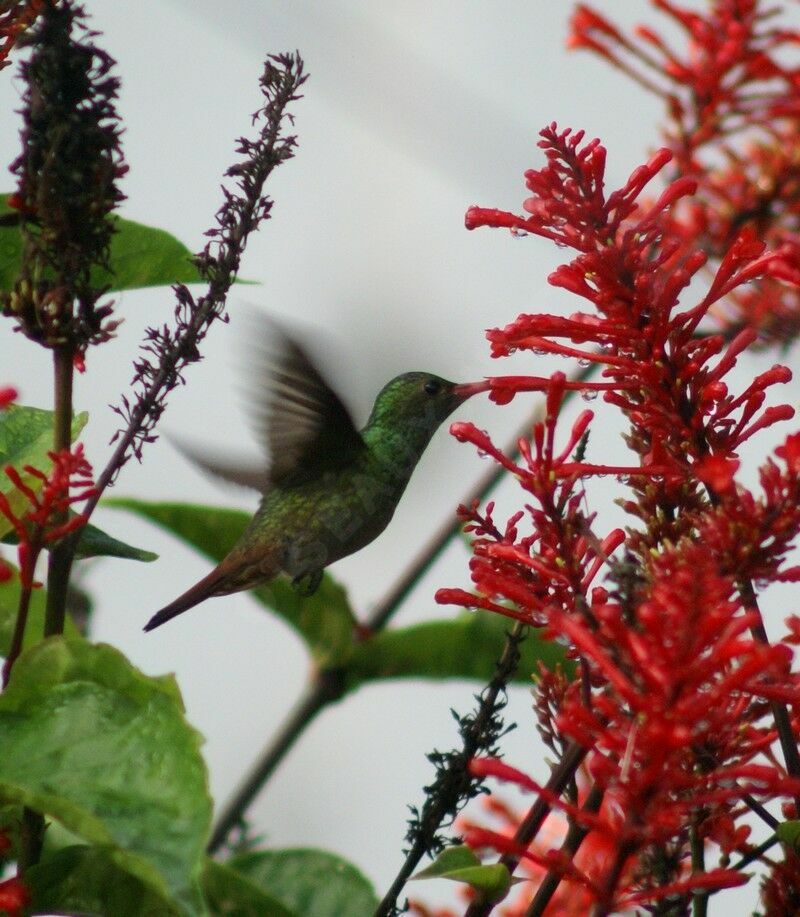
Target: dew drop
x=589 y=394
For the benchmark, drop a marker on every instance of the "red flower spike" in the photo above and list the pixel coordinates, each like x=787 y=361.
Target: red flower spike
x=6 y=573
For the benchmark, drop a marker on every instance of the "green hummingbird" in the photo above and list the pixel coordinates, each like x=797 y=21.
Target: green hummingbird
x=330 y=489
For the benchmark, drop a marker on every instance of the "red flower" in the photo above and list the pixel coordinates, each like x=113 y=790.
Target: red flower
x=780 y=889
x=14 y=896
x=7 y=394
x=727 y=91
x=40 y=524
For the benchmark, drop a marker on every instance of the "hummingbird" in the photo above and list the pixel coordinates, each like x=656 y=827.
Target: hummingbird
x=330 y=489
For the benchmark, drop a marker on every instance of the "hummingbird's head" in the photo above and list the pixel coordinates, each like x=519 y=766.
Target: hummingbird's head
x=410 y=408
x=419 y=400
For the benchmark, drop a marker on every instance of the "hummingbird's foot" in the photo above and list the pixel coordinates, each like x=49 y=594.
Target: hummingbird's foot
x=307 y=583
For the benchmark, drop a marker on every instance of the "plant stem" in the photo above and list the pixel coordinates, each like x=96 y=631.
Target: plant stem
x=603 y=907
x=58 y=571
x=21 y=622
x=323 y=692
x=756 y=852
x=780 y=714
x=571 y=845
x=530 y=825
x=444 y=794
x=697 y=845
x=59 y=563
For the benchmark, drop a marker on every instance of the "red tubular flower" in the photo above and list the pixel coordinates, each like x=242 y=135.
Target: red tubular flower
x=41 y=523
x=780 y=889
x=14 y=896
x=555 y=566
x=676 y=701
x=677 y=728
x=8 y=394
x=727 y=91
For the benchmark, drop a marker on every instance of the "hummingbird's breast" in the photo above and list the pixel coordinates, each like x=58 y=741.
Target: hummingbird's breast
x=324 y=519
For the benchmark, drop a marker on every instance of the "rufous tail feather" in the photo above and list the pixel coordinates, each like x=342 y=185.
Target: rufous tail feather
x=193 y=596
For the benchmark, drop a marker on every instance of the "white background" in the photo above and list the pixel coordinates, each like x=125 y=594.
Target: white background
x=413 y=111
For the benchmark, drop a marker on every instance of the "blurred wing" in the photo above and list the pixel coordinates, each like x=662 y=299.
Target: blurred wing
x=298 y=417
x=227 y=468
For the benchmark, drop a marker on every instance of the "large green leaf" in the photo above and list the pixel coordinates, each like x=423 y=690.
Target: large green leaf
x=324 y=620
x=309 y=882
x=34 y=630
x=90 y=741
x=94 y=542
x=87 y=880
x=466 y=647
x=232 y=894
x=140 y=256
x=26 y=436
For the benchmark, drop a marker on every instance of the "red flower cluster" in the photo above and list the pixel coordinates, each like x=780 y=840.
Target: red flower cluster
x=727 y=92
x=675 y=703
x=554 y=566
x=42 y=523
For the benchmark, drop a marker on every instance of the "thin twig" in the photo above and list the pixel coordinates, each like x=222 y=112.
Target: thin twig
x=323 y=692
x=453 y=783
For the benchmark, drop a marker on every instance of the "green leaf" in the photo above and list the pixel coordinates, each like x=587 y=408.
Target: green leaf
x=87 y=880
x=94 y=542
x=466 y=647
x=231 y=894
x=90 y=741
x=460 y=864
x=324 y=620
x=34 y=630
x=143 y=256
x=309 y=882
x=140 y=256
x=449 y=860
x=789 y=833
x=26 y=436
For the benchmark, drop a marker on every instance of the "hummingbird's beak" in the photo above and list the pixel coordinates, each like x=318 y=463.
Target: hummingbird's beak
x=467 y=389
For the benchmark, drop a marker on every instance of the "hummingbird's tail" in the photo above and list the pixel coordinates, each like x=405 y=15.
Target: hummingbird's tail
x=201 y=591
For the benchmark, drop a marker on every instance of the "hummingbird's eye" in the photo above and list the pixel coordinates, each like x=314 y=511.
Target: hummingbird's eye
x=432 y=386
